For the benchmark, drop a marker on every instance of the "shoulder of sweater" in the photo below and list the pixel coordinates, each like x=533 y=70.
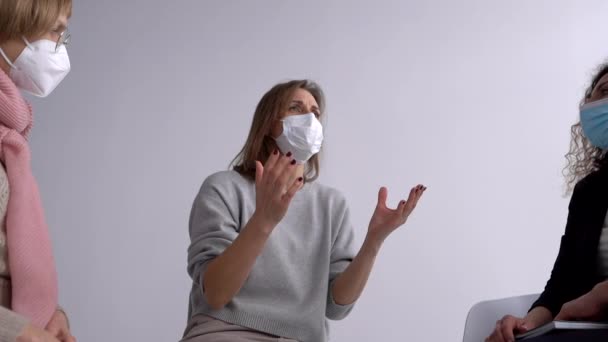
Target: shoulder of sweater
x=224 y=180
x=328 y=192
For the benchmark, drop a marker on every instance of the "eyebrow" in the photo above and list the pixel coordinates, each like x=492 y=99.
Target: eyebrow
x=301 y=103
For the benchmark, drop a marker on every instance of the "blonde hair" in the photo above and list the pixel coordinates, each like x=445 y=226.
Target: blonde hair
x=30 y=18
x=260 y=144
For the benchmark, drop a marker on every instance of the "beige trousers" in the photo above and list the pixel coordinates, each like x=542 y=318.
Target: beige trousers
x=203 y=328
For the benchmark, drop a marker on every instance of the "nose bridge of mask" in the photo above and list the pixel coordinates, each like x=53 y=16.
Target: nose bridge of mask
x=594 y=105
x=49 y=49
x=299 y=119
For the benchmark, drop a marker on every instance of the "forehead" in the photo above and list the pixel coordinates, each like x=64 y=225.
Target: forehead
x=303 y=95
x=603 y=79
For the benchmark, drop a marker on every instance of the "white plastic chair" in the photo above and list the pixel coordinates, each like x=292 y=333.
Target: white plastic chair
x=482 y=317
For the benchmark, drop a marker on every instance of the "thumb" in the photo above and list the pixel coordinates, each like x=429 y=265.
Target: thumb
x=259 y=171
x=561 y=316
x=564 y=314
x=382 y=195
x=522 y=327
x=53 y=329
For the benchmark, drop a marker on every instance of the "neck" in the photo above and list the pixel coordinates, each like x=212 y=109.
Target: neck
x=3 y=64
x=12 y=49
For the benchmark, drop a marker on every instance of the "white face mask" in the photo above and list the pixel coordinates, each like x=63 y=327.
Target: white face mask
x=39 y=68
x=302 y=136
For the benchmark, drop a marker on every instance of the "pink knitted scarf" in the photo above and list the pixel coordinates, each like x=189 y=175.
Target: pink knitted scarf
x=31 y=262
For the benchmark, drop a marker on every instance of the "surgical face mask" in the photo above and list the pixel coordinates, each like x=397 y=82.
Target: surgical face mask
x=594 y=120
x=40 y=67
x=302 y=136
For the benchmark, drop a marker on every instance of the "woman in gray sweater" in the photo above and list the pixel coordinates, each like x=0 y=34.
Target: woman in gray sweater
x=272 y=253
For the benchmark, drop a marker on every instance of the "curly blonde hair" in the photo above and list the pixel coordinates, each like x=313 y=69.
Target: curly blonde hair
x=583 y=158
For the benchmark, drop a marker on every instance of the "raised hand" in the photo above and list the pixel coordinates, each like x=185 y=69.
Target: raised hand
x=385 y=220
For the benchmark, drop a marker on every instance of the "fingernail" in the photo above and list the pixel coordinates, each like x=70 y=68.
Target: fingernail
x=275 y=152
x=402 y=202
x=300 y=179
x=293 y=162
x=288 y=154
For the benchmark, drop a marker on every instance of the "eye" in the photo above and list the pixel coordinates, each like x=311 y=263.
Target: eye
x=317 y=114
x=295 y=108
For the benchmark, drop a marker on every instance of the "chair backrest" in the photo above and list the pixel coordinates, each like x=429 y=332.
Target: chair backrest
x=482 y=317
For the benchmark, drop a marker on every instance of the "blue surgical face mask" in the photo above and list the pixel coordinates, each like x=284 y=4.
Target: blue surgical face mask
x=594 y=120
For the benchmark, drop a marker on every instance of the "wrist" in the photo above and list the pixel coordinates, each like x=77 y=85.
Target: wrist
x=260 y=225
x=372 y=244
x=600 y=291
x=537 y=317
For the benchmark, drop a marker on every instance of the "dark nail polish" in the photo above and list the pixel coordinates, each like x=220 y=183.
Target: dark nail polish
x=275 y=152
x=293 y=162
x=402 y=202
x=288 y=154
x=300 y=179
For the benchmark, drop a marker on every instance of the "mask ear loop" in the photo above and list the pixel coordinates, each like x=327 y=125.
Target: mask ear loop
x=8 y=61
x=27 y=43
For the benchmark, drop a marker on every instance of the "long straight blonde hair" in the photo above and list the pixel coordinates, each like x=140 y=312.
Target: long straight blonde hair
x=260 y=144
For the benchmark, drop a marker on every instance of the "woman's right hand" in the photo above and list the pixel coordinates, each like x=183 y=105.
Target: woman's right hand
x=507 y=327
x=34 y=334
x=275 y=185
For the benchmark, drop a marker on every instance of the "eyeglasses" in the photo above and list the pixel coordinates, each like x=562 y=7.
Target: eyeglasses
x=64 y=39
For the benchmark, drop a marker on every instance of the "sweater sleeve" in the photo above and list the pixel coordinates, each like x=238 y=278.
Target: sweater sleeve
x=342 y=254
x=11 y=325
x=212 y=228
x=561 y=287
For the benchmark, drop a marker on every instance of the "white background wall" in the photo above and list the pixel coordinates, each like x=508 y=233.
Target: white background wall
x=472 y=98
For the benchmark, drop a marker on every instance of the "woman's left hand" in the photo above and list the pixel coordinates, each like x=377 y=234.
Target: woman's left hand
x=58 y=327
x=386 y=220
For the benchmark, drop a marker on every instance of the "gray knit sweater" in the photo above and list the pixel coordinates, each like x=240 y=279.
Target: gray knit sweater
x=287 y=292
